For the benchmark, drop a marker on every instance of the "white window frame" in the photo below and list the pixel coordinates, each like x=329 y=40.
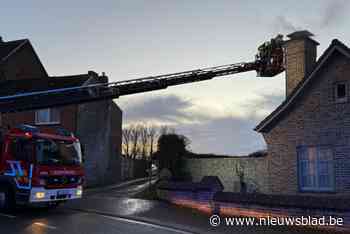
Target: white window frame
x=316 y=167
x=343 y=99
x=50 y=121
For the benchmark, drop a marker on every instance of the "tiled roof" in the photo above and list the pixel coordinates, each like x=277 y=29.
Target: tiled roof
x=282 y=109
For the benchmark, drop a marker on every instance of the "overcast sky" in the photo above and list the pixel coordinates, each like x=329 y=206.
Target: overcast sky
x=130 y=39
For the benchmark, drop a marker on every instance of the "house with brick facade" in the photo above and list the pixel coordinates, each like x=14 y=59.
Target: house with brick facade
x=96 y=124
x=308 y=135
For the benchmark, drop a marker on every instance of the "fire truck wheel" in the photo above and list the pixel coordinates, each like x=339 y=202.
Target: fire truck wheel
x=6 y=199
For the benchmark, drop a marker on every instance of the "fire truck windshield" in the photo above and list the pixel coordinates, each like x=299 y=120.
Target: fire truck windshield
x=58 y=152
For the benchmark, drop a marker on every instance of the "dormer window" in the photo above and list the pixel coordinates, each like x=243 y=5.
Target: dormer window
x=341 y=93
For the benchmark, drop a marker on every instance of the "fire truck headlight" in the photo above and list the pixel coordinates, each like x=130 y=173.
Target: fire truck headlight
x=40 y=195
x=79 y=192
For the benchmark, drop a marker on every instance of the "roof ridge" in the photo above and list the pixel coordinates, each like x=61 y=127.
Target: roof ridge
x=13 y=41
x=335 y=41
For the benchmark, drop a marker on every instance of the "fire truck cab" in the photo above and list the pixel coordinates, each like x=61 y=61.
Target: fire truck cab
x=39 y=167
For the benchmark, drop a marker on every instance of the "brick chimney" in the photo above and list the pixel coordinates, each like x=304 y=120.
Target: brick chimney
x=301 y=52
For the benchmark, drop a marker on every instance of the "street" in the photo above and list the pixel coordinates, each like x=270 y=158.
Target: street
x=93 y=214
x=115 y=211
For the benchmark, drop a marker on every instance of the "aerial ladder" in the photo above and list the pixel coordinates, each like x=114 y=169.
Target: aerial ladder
x=268 y=62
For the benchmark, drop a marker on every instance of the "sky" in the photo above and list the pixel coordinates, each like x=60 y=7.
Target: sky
x=133 y=39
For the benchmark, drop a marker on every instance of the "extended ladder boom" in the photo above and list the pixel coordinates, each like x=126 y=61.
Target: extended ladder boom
x=164 y=81
x=94 y=92
x=269 y=62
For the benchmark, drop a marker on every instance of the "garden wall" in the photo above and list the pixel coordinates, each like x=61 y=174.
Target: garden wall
x=254 y=170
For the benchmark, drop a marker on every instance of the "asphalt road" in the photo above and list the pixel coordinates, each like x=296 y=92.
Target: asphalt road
x=74 y=218
x=114 y=210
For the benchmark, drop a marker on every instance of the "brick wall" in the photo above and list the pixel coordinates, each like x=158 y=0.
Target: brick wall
x=255 y=171
x=300 y=60
x=68 y=115
x=315 y=119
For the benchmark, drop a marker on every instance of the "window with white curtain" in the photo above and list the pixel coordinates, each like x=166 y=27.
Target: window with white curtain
x=316 y=169
x=47 y=116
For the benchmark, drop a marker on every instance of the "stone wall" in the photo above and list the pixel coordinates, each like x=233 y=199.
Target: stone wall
x=254 y=170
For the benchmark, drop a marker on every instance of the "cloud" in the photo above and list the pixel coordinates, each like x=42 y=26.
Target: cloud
x=225 y=135
x=334 y=13
x=263 y=105
x=170 y=109
x=209 y=133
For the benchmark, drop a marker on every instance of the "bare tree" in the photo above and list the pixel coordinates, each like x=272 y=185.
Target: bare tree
x=163 y=130
x=166 y=130
x=152 y=136
x=126 y=145
x=135 y=139
x=144 y=139
x=141 y=139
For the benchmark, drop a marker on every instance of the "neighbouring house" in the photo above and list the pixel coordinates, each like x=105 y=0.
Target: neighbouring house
x=308 y=135
x=97 y=124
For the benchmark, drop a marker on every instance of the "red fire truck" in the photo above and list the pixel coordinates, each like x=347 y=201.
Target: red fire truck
x=39 y=167
x=42 y=167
